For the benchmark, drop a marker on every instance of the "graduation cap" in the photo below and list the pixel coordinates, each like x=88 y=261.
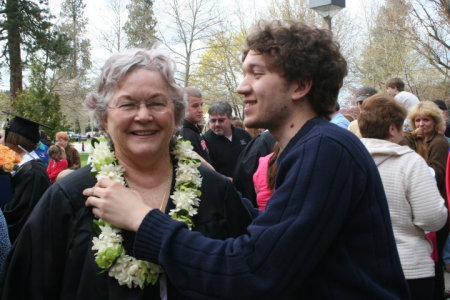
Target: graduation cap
x=24 y=127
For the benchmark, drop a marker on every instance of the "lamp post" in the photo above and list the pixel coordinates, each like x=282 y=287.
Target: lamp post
x=327 y=8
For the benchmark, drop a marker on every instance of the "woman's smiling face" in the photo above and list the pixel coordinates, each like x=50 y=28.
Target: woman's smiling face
x=140 y=118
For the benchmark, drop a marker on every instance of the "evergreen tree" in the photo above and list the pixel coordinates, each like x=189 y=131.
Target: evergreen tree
x=39 y=103
x=71 y=82
x=24 y=25
x=140 y=27
x=74 y=27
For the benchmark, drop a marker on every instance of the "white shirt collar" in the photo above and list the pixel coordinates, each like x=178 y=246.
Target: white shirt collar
x=27 y=157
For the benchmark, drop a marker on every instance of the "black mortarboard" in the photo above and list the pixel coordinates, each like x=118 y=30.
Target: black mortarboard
x=24 y=127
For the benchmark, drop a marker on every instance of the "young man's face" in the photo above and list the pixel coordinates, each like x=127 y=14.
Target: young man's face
x=267 y=95
x=392 y=91
x=220 y=124
x=195 y=110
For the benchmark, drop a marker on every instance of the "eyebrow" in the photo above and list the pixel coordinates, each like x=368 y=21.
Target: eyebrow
x=253 y=65
x=128 y=97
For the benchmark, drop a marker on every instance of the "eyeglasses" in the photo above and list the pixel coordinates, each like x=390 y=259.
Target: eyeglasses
x=156 y=105
x=220 y=120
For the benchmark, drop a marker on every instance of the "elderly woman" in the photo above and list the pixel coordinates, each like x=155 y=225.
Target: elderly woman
x=415 y=204
x=72 y=155
x=140 y=107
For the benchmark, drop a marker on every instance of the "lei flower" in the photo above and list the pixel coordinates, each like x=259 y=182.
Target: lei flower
x=110 y=254
x=8 y=158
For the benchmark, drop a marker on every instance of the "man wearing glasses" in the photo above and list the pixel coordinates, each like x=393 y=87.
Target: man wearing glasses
x=224 y=141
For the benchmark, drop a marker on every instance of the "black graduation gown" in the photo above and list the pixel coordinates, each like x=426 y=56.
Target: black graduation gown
x=5 y=187
x=29 y=183
x=192 y=133
x=247 y=163
x=52 y=258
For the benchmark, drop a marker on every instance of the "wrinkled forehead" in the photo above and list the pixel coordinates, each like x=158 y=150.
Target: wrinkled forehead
x=218 y=116
x=194 y=100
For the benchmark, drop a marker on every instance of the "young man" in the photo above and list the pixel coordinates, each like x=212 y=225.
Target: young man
x=326 y=232
x=396 y=88
x=225 y=142
x=194 y=116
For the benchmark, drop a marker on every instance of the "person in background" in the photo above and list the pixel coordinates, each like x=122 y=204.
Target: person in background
x=237 y=123
x=349 y=117
x=443 y=106
x=395 y=87
x=361 y=94
x=427 y=118
x=337 y=118
x=446 y=250
x=58 y=162
x=264 y=177
x=30 y=180
x=42 y=148
x=415 y=204
x=427 y=139
x=247 y=163
x=224 y=141
x=8 y=161
x=72 y=155
x=191 y=124
x=326 y=233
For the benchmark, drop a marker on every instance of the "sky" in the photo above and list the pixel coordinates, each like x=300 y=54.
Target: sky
x=97 y=15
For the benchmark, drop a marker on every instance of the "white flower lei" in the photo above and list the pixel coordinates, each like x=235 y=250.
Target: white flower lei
x=110 y=255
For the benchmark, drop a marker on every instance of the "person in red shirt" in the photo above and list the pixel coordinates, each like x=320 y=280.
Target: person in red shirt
x=58 y=162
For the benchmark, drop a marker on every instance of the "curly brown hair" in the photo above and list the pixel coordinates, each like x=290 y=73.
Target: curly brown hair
x=302 y=52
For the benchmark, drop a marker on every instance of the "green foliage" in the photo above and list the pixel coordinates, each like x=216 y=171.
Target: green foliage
x=74 y=27
x=38 y=103
x=140 y=26
x=26 y=25
x=219 y=71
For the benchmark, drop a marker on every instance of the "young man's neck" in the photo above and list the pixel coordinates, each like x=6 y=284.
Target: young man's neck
x=289 y=129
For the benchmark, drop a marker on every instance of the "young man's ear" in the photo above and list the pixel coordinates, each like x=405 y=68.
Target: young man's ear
x=301 y=89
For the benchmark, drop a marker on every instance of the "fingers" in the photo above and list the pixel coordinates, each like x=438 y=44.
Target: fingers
x=88 y=192
x=104 y=183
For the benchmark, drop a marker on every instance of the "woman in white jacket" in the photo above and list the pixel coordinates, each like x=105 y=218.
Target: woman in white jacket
x=414 y=201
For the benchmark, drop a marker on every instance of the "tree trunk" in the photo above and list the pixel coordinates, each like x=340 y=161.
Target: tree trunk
x=15 y=61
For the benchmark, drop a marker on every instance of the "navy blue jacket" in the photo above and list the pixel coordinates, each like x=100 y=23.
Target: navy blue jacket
x=326 y=232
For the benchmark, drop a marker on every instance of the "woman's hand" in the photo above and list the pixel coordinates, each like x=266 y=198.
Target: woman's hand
x=114 y=203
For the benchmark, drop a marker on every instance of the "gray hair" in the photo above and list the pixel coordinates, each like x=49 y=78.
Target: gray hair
x=192 y=92
x=364 y=92
x=120 y=65
x=220 y=108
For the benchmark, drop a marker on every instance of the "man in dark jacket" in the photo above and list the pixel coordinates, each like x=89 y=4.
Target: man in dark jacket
x=225 y=142
x=191 y=125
